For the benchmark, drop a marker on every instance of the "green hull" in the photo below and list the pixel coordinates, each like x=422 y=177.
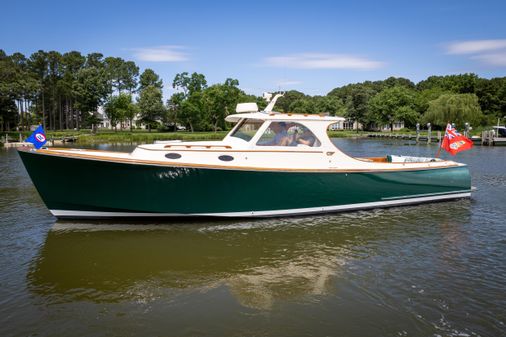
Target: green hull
x=73 y=187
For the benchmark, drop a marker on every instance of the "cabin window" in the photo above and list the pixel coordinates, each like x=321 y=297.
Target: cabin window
x=288 y=134
x=247 y=129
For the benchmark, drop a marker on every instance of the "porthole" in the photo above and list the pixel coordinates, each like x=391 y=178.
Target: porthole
x=225 y=158
x=173 y=156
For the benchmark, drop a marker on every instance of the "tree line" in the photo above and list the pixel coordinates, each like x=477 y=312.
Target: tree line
x=65 y=91
x=436 y=100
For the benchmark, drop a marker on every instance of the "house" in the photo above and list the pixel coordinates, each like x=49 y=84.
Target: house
x=106 y=122
x=346 y=125
x=398 y=125
x=352 y=125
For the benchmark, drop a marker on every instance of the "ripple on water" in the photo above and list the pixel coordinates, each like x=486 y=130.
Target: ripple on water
x=434 y=269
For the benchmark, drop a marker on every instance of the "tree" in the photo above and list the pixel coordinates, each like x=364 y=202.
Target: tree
x=492 y=96
x=398 y=81
x=220 y=100
x=460 y=84
x=393 y=104
x=122 y=74
x=149 y=77
x=8 y=109
x=151 y=106
x=119 y=109
x=456 y=108
x=357 y=104
x=303 y=106
x=329 y=104
x=190 y=107
x=283 y=103
x=423 y=98
x=72 y=63
x=91 y=88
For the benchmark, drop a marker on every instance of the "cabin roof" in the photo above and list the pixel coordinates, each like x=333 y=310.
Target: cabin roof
x=283 y=117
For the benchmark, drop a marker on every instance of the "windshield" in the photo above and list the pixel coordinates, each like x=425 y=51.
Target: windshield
x=247 y=129
x=288 y=134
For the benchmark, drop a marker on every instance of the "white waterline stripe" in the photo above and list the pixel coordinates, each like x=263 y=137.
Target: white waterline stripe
x=295 y=211
x=424 y=195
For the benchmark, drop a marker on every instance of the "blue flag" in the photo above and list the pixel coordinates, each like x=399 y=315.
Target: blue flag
x=37 y=138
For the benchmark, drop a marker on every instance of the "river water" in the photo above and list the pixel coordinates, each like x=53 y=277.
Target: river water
x=428 y=270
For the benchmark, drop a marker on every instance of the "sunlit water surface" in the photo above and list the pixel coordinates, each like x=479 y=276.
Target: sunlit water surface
x=428 y=270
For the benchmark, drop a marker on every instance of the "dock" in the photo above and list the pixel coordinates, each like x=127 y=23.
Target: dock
x=9 y=143
x=419 y=138
x=488 y=138
x=17 y=144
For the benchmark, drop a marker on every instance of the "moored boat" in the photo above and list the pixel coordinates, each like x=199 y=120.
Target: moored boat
x=269 y=164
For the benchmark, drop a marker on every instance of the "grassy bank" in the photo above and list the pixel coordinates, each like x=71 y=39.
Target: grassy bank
x=146 y=137
x=141 y=136
x=87 y=137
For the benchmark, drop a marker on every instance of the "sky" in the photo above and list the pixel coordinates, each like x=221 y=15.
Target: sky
x=310 y=46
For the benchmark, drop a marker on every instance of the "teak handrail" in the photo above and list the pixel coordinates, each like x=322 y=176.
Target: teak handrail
x=202 y=146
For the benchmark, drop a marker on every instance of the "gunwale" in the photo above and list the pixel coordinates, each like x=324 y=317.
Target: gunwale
x=80 y=155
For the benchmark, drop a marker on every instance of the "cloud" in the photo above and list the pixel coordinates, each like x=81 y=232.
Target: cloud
x=322 y=61
x=489 y=52
x=288 y=82
x=496 y=59
x=475 y=46
x=161 y=54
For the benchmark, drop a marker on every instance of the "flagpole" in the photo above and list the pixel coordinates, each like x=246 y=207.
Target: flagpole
x=441 y=143
x=439 y=150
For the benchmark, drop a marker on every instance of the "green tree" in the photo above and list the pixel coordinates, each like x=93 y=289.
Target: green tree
x=329 y=104
x=423 y=98
x=455 y=108
x=150 y=105
x=492 y=96
x=219 y=101
x=8 y=76
x=357 y=104
x=91 y=89
x=303 y=106
x=284 y=103
x=149 y=77
x=460 y=84
x=393 y=104
x=122 y=74
x=190 y=108
x=120 y=109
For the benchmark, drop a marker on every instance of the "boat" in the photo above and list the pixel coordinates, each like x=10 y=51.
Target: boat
x=269 y=164
x=499 y=135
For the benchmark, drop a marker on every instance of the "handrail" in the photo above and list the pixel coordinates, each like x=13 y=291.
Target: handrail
x=195 y=146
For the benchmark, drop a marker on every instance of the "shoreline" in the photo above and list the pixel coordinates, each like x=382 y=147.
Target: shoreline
x=103 y=137
x=86 y=137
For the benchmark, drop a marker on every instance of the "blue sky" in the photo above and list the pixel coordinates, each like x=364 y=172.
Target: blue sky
x=311 y=46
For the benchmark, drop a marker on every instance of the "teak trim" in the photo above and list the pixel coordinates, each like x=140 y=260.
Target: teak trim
x=211 y=166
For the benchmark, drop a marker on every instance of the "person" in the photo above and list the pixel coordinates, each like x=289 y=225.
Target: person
x=281 y=137
x=306 y=138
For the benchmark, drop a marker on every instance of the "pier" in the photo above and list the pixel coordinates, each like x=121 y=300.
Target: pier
x=10 y=143
x=419 y=138
x=489 y=138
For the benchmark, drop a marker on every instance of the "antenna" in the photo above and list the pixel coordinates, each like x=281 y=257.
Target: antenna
x=273 y=102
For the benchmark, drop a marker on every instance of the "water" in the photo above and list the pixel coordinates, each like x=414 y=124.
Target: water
x=428 y=270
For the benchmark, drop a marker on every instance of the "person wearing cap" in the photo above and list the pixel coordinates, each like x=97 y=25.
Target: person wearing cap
x=281 y=137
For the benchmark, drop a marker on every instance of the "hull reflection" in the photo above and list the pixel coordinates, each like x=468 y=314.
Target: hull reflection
x=259 y=262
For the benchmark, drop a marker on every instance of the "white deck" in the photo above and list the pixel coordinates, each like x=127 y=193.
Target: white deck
x=248 y=155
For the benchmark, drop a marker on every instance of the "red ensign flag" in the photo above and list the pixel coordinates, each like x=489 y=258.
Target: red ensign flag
x=454 y=142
